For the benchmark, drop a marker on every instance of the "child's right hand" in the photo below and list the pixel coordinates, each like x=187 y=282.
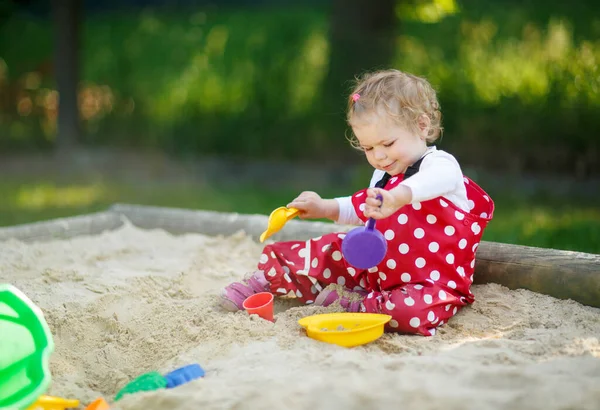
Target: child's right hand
x=312 y=206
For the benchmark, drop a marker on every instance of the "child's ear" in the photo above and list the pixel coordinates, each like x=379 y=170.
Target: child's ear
x=424 y=124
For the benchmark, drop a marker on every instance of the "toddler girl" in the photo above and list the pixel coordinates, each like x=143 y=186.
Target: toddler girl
x=431 y=216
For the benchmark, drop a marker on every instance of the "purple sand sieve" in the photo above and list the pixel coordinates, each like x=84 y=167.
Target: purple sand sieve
x=364 y=247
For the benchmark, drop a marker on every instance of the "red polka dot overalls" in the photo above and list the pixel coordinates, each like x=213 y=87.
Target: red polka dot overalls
x=425 y=277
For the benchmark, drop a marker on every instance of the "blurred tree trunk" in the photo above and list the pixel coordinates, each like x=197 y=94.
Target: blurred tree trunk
x=67 y=14
x=361 y=39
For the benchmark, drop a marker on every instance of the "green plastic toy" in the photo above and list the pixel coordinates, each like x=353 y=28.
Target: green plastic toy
x=25 y=348
x=146 y=382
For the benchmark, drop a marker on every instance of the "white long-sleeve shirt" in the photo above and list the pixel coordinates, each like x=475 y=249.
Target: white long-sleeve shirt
x=439 y=175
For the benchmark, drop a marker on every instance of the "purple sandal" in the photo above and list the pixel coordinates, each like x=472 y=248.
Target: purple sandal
x=329 y=296
x=233 y=295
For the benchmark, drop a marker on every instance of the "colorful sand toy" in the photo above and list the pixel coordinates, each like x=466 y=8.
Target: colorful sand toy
x=146 y=382
x=277 y=220
x=184 y=375
x=53 y=403
x=98 y=404
x=345 y=329
x=25 y=347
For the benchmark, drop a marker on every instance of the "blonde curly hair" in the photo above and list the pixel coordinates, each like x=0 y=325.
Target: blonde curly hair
x=403 y=97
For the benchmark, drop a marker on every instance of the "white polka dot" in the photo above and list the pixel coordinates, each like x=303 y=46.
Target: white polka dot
x=363 y=283
x=315 y=262
x=475 y=246
x=402 y=219
x=362 y=207
x=298 y=293
x=471 y=278
x=483 y=215
x=471 y=204
x=282 y=291
x=313 y=290
x=351 y=271
x=473 y=263
x=287 y=278
x=382 y=275
x=373 y=269
x=389 y=234
x=461 y=271
x=419 y=233
x=431 y=219
x=302 y=252
x=431 y=316
x=286 y=269
x=418 y=287
x=409 y=301
x=393 y=180
x=428 y=299
x=341 y=280
x=272 y=272
x=420 y=262
x=442 y=295
x=449 y=230
x=357 y=288
x=452 y=284
x=430 y=281
x=454 y=310
x=327 y=273
x=434 y=247
x=476 y=228
x=325 y=248
x=361 y=193
x=459 y=215
x=441 y=323
x=391 y=264
x=295 y=246
x=336 y=255
x=393 y=323
x=435 y=275
x=405 y=277
x=450 y=258
x=389 y=305
x=416 y=206
x=414 y=322
x=486 y=198
x=310 y=302
x=443 y=203
x=403 y=249
x=264 y=258
x=317 y=239
x=341 y=235
x=462 y=244
x=432 y=331
x=466 y=180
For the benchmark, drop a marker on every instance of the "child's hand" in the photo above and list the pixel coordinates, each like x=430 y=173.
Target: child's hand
x=392 y=201
x=312 y=206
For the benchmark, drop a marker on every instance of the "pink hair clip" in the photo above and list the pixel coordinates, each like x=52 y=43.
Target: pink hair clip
x=355 y=97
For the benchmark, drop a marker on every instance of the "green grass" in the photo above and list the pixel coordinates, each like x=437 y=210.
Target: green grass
x=538 y=221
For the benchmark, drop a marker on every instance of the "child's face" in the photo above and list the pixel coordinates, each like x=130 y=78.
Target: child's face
x=389 y=147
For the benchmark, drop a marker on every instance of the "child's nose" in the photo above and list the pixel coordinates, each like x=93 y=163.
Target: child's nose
x=379 y=154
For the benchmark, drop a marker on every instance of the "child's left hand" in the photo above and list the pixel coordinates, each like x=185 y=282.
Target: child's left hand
x=392 y=201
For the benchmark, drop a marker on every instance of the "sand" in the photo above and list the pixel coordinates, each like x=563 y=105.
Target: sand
x=130 y=301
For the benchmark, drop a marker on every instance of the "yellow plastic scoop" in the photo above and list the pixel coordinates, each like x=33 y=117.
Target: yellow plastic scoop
x=345 y=329
x=53 y=403
x=277 y=219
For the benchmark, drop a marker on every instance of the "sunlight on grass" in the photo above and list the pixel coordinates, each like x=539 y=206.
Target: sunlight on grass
x=426 y=11
x=38 y=197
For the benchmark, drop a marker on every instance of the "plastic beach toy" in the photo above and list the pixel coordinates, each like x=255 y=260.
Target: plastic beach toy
x=260 y=304
x=345 y=329
x=25 y=347
x=53 y=403
x=98 y=404
x=146 y=382
x=277 y=219
x=364 y=247
x=184 y=375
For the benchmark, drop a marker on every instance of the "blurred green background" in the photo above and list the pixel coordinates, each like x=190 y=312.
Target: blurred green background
x=239 y=105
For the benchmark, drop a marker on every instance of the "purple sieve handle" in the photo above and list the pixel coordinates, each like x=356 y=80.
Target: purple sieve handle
x=371 y=221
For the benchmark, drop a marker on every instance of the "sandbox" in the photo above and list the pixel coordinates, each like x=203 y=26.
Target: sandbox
x=133 y=289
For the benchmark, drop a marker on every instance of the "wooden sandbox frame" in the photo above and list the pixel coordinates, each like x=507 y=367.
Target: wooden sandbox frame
x=561 y=274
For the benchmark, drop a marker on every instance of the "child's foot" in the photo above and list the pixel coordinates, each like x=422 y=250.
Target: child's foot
x=350 y=300
x=233 y=295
